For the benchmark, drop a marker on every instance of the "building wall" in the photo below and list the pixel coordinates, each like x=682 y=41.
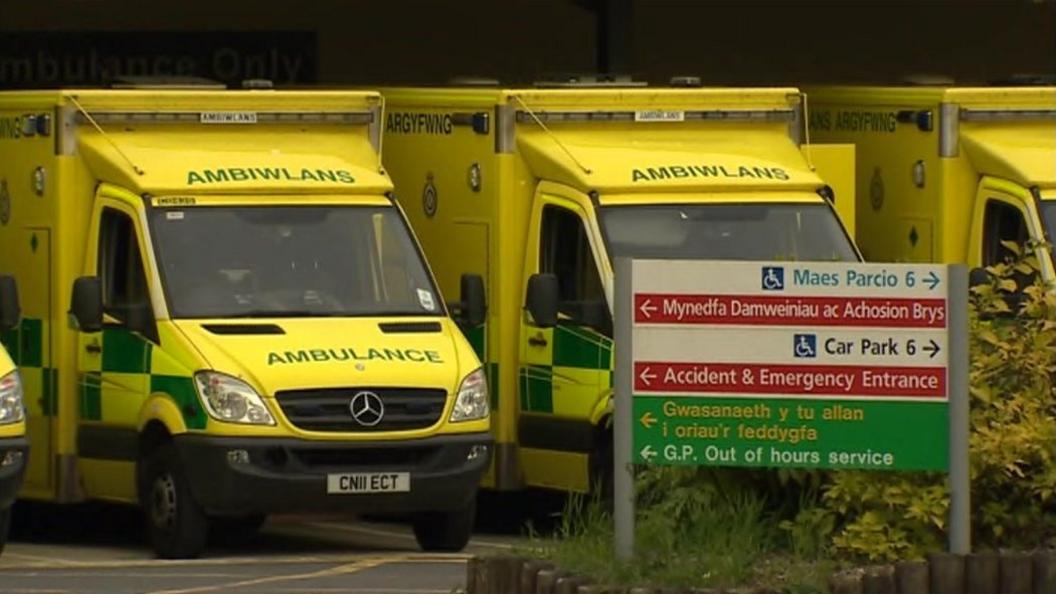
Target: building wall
x=849 y=40
x=428 y=41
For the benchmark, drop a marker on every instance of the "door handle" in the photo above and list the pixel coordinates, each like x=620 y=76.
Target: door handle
x=93 y=348
x=538 y=341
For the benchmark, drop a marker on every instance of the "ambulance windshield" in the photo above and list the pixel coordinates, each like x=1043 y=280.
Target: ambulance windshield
x=786 y=231
x=297 y=261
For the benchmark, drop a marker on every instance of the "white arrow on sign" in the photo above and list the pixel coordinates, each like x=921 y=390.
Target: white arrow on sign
x=648 y=453
x=646 y=377
x=647 y=308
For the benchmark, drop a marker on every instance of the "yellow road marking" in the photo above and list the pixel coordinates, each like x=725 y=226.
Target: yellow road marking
x=399 y=535
x=35 y=558
x=454 y=559
x=94 y=572
x=43 y=563
x=365 y=590
x=347 y=568
x=51 y=563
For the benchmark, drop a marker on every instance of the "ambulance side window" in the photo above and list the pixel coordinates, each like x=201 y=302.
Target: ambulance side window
x=125 y=295
x=1003 y=223
x=565 y=251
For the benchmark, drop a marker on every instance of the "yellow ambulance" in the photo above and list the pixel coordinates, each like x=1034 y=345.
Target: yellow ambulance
x=538 y=189
x=13 y=443
x=946 y=173
x=226 y=315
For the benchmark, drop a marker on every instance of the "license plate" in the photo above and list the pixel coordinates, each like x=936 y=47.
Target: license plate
x=368 y=482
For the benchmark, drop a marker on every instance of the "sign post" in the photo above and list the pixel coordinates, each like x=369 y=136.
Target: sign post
x=623 y=476
x=959 y=364
x=796 y=365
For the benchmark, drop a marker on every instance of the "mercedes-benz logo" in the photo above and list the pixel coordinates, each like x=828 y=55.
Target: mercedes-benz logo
x=367 y=408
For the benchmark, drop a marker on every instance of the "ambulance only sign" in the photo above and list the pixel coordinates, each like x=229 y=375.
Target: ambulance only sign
x=811 y=365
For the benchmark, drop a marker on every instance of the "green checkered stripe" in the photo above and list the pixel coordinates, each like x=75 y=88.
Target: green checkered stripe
x=478 y=339
x=126 y=353
x=574 y=347
x=25 y=345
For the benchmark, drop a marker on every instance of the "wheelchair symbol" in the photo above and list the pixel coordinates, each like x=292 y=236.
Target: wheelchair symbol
x=773 y=278
x=805 y=346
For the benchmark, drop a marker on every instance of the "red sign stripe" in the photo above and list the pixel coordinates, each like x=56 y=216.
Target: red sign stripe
x=755 y=378
x=785 y=310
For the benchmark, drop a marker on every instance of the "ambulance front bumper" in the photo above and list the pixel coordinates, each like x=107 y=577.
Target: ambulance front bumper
x=14 y=452
x=235 y=475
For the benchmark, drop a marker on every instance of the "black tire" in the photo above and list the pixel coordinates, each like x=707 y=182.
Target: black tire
x=176 y=525
x=235 y=530
x=445 y=531
x=5 y=526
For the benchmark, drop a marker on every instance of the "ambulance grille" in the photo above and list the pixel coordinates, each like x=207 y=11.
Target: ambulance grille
x=329 y=409
x=364 y=457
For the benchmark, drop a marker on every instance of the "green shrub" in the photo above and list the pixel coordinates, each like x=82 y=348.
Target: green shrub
x=712 y=527
x=887 y=516
x=695 y=527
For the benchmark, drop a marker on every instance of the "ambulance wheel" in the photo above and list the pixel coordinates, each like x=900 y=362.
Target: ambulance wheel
x=445 y=531
x=5 y=526
x=176 y=524
x=235 y=530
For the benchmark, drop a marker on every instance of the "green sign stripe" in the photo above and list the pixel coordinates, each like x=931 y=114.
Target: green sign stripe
x=492 y=371
x=768 y=432
x=576 y=348
x=31 y=352
x=543 y=372
x=475 y=336
x=587 y=334
x=182 y=391
x=522 y=384
x=10 y=341
x=124 y=352
x=537 y=389
x=91 y=400
x=50 y=389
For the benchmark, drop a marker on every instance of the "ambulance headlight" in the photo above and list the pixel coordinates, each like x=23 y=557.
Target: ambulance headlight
x=231 y=400
x=11 y=407
x=472 y=401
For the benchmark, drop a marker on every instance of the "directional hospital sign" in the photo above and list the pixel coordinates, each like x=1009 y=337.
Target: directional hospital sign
x=811 y=365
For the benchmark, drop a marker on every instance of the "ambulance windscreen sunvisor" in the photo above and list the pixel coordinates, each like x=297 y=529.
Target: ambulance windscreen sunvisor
x=784 y=231
x=290 y=261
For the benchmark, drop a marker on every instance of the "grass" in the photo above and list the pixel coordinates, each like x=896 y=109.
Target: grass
x=688 y=535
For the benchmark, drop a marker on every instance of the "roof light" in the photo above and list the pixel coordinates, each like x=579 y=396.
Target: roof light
x=767 y=115
x=29 y=125
x=258 y=83
x=693 y=82
x=979 y=115
x=178 y=117
x=44 y=124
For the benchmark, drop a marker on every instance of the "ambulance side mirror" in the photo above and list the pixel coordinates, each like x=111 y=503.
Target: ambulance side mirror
x=542 y=299
x=10 y=313
x=474 y=306
x=86 y=306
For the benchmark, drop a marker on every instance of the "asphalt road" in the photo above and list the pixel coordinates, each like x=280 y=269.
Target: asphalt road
x=368 y=575
x=97 y=549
